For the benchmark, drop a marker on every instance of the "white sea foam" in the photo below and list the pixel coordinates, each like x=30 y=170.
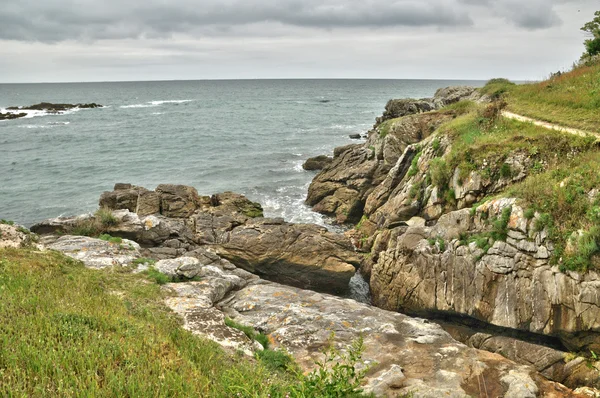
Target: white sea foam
x=34 y=126
x=30 y=113
x=169 y=102
x=138 y=106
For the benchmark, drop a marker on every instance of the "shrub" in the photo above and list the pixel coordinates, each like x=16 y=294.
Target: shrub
x=496 y=88
x=106 y=217
x=529 y=214
x=87 y=227
x=500 y=225
x=337 y=375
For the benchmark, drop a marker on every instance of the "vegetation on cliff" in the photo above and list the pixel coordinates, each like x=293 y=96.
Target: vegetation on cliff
x=571 y=99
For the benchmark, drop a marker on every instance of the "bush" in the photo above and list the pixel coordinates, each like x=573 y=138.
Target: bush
x=337 y=375
x=106 y=217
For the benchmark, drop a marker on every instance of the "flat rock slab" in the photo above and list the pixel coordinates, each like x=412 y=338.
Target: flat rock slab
x=97 y=253
x=405 y=355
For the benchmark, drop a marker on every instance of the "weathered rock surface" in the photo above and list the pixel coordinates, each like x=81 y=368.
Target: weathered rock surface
x=317 y=162
x=556 y=365
x=342 y=188
x=397 y=108
x=512 y=285
x=97 y=253
x=405 y=354
x=303 y=255
x=15 y=236
x=174 y=221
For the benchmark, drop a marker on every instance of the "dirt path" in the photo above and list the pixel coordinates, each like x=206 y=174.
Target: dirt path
x=547 y=125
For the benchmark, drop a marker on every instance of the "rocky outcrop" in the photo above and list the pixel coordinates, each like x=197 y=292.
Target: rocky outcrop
x=397 y=108
x=303 y=255
x=566 y=368
x=405 y=355
x=15 y=236
x=50 y=107
x=512 y=284
x=317 y=162
x=342 y=188
x=174 y=221
x=11 y=116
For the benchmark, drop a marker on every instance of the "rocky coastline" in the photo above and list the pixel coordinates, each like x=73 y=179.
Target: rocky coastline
x=458 y=310
x=17 y=112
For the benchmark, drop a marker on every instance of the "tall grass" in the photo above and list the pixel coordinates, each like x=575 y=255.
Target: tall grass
x=69 y=331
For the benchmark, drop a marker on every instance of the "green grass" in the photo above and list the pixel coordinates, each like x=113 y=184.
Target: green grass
x=560 y=195
x=106 y=217
x=111 y=239
x=143 y=260
x=157 y=277
x=70 y=331
x=484 y=145
x=571 y=99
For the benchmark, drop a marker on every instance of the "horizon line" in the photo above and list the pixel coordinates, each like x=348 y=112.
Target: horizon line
x=249 y=79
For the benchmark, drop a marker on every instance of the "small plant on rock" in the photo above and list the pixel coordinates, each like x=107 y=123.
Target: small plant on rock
x=106 y=217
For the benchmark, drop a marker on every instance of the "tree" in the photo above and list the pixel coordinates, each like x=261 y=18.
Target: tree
x=592 y=28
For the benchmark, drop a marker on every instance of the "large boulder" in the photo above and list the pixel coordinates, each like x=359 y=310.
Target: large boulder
x=177 y=201
x=317 y=163
x=303 y=255
x=135 y=199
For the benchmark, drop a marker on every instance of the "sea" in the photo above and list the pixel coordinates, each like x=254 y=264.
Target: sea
x=246 y=136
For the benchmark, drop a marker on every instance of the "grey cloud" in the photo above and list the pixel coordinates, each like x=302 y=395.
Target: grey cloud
x=527 y=14
x=58 y=20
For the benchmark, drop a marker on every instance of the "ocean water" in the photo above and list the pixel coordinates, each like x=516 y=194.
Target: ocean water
x=247 y=136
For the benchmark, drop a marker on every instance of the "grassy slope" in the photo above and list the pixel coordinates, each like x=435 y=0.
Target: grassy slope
x=70 y=331
x=564 y=169
x=571 y=99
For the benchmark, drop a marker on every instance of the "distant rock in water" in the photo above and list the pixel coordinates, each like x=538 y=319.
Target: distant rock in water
x=47 y=106
x=317 y=163
x=355 y=136
x=14 y=111
x=10 y=116
x=324 y=101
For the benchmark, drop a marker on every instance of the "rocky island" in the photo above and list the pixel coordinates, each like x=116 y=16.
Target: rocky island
x=16 y=112
x=477 y=234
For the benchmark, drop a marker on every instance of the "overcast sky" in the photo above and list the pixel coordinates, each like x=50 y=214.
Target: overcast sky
x=112 y=40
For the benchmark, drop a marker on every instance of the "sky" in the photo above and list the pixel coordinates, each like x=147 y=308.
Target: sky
x=125 y=40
